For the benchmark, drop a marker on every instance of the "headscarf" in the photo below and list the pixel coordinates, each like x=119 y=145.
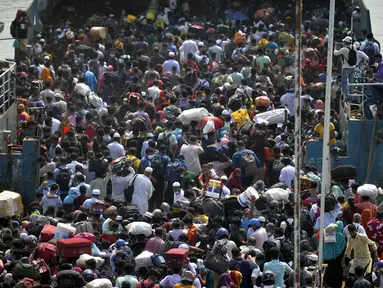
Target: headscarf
x=319 y=105
x=236 y=278
x=333 y=250
x=234 y=181
x=46 y=75
x=224 y=280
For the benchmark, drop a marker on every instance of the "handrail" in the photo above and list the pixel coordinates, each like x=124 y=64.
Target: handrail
x=7 y=87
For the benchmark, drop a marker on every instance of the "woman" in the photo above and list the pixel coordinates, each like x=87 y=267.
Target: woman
x=332 y=255
x=224 y=281
x=234 y=181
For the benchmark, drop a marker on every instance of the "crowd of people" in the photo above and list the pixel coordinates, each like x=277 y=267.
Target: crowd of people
x=167 y=131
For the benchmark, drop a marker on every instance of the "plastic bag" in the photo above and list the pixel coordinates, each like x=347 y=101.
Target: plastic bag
x=195 y=114
x=85 y=257
x=277 y=194
x=144 y=259
x=369 y=190
x=137 y=228
x=274 y=116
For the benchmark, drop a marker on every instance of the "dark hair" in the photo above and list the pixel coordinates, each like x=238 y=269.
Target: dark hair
x=274 y=252
x=351 y=228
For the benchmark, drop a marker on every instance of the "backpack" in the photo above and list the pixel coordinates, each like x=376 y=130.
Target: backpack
x=351 y=57
x=171 y=113
x=63 y=179
x=160 y=24
x=174 y=171
x=217 y=259
x=97 y=207
x=276 y=171
x=130 y=189
x=13 y=29
x=70 y=279
x=166 y=139
x=287 y=250
x=370 y=52
x=249 y=164
x=48 y=252
x=112 y=78
x=157 y=165
x=28 y=282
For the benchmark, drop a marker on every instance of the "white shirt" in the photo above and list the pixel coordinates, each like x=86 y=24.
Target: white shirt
x=143 y=190
x=345 y=51
x=191 y=154
x=116 y=150
x=359 y=229
x=168 y=64
x=55 y=125
x=47 y=93
x=189 y=46
x=261 y=236
x=72 y=166
x=176 y=233
x=218 y=51
x=153 y=92
x=82 y=89
x=361 y=56
x=289 y=100
x=287 y=175
x=119 y=184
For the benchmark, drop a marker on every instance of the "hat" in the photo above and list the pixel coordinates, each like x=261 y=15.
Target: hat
x=225 y=113
x=148 y=215
x=261 y=219
x=58 y=95
x=150 y=135
x=347 y=39
x=119 y=218
x=176 y=184
x=379 y=264
x=224 y=178
x=20 y=106
x=171 y=54
x=23 y=236
x=313 y=257
x=96 y=192
x=187 y=276
x=149 y=169
x=120 y=243
x=116 y=135
x=201 y=44
x=274 y=203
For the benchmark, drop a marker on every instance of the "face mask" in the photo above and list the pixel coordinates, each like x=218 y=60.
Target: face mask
x=150 y=157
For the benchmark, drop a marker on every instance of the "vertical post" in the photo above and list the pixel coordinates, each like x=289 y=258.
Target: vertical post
x=297 y=142
x=326 y=164
x=31 y=151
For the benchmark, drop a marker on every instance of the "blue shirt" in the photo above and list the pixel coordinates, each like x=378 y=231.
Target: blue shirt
x=145 y=162
x=329 y=217
x=50 y=182
x=237 y=159
x=279 y=268
x=89 y=202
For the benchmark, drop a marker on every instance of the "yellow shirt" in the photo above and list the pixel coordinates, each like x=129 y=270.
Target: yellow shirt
x=360 y=244
x=319 y=129
x=183 y=286
x=136 y=163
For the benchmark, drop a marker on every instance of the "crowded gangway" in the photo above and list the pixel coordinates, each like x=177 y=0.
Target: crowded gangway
x=166 y=134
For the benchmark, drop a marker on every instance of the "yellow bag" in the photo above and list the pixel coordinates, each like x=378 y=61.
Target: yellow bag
x=131 y=19
x=240 y=117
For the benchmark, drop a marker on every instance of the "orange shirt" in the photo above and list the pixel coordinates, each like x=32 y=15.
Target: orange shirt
x=192 y=235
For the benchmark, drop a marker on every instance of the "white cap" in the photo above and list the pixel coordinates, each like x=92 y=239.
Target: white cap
x=184 y=246
x=225 y=113
x=200 y=44
x=262 y=219
x=59 y=95
x=116 y=135
x=96 y=192
x=224 y=177
x=171 y=54
x=119 y=218
x=347 y=39
x=356 y=45
x=148 y=215
x=149 y=169
x=176 y=184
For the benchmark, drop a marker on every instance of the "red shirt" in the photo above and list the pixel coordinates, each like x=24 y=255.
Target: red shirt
x=375 y=232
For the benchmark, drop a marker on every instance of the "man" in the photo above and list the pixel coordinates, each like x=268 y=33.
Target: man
x=157 y=58
x=141 y=45
x=262 y=60
x=51 y=200
x=348 y=69
x=361 y=282
x=374 y=230
x=119 y=183
x=154 y=91
x=238 y=162
x=191 y=153
x=155 y=243
x=359 y=228
x=72 y=165
x=279 y=268
x=116 y=150
x=287 y=173
x=319 y=131
x=361 y=245
x=141 y=113
x=288 y=99
x=45 y=167
x=143 y=191
x=244 y=266
x=370 y=48
x=168 y=64
x=188 y=46
x=169 y=139
x=217 y=50
x=179 y=195
x=376 y=91
x=259 y=234
x=95 y=197
x=236 y=76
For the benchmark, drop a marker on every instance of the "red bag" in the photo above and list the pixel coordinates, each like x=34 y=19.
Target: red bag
x=73 y=247
x=86 y=235
x=48 y=252
x=176 y=257
x=47 y=233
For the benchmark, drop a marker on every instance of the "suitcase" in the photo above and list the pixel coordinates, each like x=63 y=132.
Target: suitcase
x=343 y=172
x=176 y=257
x=73 y=247
x=47 y=233
x=83 y=226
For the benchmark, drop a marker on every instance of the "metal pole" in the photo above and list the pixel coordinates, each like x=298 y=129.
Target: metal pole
x=297 y=143
x=326 y=165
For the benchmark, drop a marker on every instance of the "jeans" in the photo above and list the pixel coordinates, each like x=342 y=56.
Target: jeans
x=374 y=99
x=347 y=74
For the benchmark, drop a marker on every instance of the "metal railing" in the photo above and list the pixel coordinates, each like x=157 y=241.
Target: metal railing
x=7 y=86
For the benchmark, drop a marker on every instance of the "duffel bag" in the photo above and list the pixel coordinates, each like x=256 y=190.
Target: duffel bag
x=343 y=172
x=73 y=247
